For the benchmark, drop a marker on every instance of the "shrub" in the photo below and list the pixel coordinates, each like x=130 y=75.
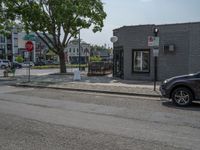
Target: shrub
x=19 y=59
x=45 y=67
x=95 y=58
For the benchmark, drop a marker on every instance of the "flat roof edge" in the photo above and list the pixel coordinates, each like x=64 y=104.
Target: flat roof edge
x=167 y=24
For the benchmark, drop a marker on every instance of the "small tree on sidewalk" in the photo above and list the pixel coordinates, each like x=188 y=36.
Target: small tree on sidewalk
x=55 y=22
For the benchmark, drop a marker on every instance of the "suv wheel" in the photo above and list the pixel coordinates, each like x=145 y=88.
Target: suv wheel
x=182 y=96
x=3 y=67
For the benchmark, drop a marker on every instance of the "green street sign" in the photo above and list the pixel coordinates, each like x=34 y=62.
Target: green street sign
x=30 y=37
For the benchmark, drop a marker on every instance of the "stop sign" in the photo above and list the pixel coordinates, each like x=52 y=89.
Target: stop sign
x=29 y=46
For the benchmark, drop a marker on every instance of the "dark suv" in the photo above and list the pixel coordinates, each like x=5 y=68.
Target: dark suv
x=182 y=89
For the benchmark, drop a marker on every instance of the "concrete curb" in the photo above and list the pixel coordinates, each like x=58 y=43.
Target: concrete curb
x=86 y=90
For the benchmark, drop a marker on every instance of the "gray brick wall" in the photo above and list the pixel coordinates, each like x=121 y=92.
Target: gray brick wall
x=194 y=43
x=185 y=59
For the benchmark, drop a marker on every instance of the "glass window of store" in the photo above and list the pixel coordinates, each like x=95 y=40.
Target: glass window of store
x=141 y=61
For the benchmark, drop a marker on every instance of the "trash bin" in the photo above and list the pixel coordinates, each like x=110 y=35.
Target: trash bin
x=77 y=75
x=5 y=73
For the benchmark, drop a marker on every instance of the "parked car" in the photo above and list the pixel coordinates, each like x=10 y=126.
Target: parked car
x=40 y=63
x=51 y=62
x=16 y=65
x=56 y=63
x=182 y=89
x=26 y=64
x=4 y=63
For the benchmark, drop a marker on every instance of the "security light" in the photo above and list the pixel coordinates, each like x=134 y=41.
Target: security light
x=156 y=31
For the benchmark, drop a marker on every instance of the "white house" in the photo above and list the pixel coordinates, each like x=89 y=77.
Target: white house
x=72 y=52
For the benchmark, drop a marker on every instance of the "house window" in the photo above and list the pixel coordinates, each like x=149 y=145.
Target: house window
x=141 y=61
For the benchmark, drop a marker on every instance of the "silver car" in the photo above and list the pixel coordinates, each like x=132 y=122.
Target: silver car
x=4 y=63
x=26 y=64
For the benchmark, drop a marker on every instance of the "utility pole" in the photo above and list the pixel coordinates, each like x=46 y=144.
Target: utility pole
x=155 y=53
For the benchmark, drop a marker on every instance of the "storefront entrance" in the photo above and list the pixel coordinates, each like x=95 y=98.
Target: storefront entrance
x=118 y=62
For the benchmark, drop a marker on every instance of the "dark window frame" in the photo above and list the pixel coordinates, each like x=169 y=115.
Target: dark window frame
x=149 y=66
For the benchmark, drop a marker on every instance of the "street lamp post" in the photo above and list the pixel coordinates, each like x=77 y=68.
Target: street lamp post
x=79 y=53
x=77 y=75
x=155 y=54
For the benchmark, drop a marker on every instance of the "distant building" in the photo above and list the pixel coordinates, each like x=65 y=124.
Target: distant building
x=9 y=46
x=179 y=51
x=72 y=52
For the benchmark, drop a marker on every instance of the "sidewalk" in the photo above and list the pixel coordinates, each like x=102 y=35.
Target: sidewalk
x=100 y=84
x=7 y=78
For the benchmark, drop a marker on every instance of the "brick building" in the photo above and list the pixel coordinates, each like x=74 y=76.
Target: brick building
x=179 y=51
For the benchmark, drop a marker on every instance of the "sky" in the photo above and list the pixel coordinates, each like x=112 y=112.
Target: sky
x=137 y=12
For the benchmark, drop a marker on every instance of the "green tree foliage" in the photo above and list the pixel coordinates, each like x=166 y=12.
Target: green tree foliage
x=57 y=20
x=97 y=47
x=19 y=59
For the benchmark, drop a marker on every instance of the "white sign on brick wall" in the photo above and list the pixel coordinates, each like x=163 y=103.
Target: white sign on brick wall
x=153 y=41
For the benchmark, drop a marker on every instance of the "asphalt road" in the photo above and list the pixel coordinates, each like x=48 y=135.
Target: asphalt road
x=46 y=119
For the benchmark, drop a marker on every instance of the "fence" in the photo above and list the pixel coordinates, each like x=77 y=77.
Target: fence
x=99 y=68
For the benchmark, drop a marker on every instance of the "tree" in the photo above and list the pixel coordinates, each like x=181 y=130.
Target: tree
x=57 y=20
x=97 y=47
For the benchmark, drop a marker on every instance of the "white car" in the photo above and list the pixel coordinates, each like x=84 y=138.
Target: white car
x=4 y=63
x=26 y=64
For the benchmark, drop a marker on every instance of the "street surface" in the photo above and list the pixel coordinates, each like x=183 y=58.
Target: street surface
x=47 y=119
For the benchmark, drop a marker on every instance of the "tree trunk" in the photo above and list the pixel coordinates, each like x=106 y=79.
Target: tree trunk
x=62 y=62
